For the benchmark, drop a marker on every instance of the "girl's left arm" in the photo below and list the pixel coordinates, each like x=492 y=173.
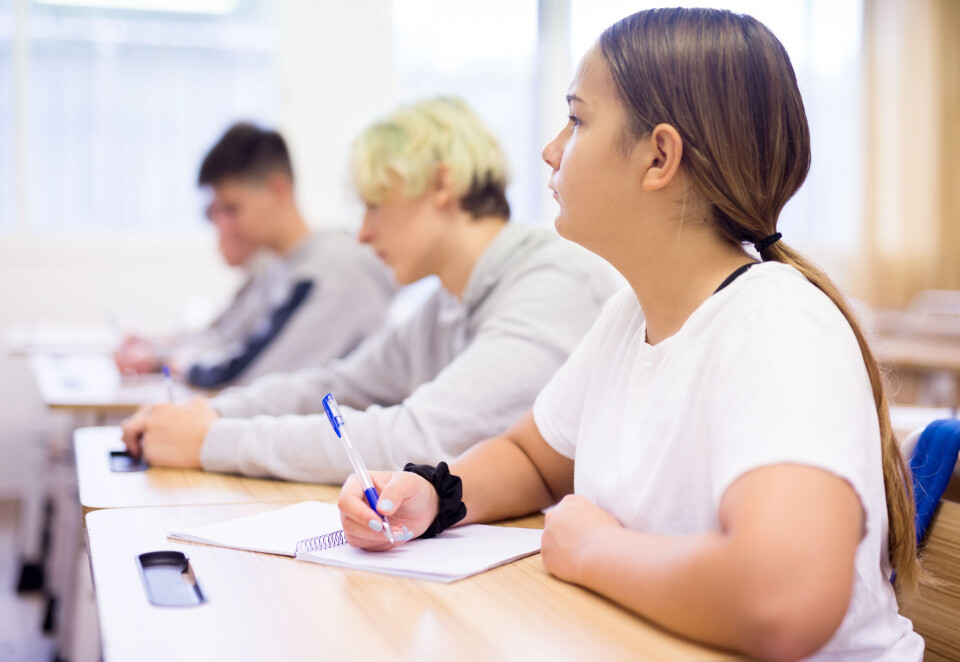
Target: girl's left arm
x=774 y=582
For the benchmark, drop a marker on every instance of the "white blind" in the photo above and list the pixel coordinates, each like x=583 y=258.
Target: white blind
x=8 y=156
x=123 y=104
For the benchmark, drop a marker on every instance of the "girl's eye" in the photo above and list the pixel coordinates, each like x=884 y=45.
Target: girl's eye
x=575 y=120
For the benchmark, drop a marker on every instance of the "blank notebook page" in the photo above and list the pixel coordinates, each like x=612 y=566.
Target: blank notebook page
x=454 y=554
x=272 y=532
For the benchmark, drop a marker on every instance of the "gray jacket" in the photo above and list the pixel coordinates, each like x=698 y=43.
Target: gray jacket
x=453 y=374
x=347 y=299
x=261 y=291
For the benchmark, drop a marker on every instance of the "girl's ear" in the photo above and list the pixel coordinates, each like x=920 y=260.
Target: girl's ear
x=663 y=157
x=441 y=186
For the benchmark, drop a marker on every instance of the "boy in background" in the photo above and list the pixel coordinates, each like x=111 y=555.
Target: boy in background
x=310 y=297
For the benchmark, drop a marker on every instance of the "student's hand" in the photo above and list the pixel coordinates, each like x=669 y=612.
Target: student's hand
x=136 y=355
x=408 y=501
x=133 y=429
x=173 y=434
x=569 y=530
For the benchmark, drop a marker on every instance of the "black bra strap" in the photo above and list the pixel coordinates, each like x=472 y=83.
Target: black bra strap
x=736 y=274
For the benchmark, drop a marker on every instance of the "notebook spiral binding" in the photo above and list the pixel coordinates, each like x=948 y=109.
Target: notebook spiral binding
x=323 y=542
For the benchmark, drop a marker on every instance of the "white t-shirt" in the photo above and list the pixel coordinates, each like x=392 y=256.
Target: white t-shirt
x=766 y=371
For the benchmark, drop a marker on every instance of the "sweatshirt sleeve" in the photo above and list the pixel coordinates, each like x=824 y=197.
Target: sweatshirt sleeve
x=348 y=302
x=369 y=375
x=227 y=331
x=521 y=342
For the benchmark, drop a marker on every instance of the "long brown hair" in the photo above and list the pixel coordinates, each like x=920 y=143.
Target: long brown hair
x=725 y=82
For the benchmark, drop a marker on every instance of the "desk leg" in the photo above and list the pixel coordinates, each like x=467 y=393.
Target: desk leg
x=36 y=514
x=66 y=534
x=79 y=638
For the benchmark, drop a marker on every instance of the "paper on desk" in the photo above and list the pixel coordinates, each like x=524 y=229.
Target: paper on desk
x=271 y=532
x=454 y=554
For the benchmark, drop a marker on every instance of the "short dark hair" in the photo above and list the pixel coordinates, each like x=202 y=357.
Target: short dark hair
x=245 y=152
x=486 y=197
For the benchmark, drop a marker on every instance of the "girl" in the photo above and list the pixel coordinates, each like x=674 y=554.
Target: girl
x=723 y=460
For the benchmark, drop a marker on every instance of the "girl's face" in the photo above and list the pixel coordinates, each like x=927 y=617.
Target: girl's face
x=406 y=233
x=595 y=178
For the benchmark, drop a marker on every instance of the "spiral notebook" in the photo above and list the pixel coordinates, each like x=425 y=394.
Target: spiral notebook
x=310 y=531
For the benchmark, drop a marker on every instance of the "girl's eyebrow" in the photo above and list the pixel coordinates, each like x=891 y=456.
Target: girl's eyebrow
x=573 y=97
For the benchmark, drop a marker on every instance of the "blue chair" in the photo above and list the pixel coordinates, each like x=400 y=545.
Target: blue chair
x=932 y=463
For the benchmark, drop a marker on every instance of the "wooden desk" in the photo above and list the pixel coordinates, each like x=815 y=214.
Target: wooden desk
x=92 y=383
x=926 y=370
x=102 y=488
x=264 y=607
x=918 y=353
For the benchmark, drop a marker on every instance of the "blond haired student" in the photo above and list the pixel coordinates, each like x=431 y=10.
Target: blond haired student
x=719 y=444
x=513 y=303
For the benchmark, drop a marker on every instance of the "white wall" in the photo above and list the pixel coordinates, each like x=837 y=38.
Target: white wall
x=337 y=62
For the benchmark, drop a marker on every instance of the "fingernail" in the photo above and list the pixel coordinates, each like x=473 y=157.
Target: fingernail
x=376 y=525
x=384 y=505
x=408 y=535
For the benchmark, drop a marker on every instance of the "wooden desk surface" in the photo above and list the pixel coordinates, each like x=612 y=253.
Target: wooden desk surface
x=263 y=607
x=917 y=352
x=91 y=382
x=102 y=488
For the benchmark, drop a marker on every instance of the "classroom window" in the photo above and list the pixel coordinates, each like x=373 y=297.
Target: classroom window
x=124 y=97
x=8 y=151
x=485 y=54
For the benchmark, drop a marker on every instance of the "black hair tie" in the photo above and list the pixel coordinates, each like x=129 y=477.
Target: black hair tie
x=764 y=244
x=450 y=490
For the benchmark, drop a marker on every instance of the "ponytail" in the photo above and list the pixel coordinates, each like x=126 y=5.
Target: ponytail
x=897 y=482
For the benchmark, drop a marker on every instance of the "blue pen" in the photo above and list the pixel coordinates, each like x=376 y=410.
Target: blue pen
x=168 y=380
x=369 y=491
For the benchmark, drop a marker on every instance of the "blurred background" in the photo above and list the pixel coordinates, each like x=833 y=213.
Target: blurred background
x=107 y=107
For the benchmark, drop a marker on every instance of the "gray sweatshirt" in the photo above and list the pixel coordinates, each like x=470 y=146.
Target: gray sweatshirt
x=263 y=289
x=453 y=374
x=347 y=299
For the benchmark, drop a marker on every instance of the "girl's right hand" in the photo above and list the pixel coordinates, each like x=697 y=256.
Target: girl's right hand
x=410 y=503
